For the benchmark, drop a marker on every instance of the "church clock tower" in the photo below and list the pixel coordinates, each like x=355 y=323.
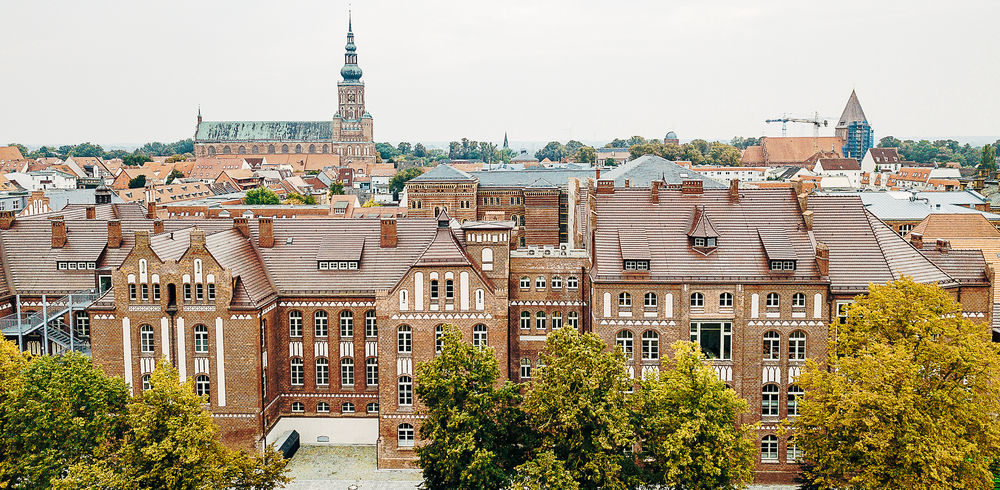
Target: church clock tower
x=352 y=125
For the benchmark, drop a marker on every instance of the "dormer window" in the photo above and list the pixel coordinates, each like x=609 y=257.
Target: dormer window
x=339 y=265
x=783 y=265
x=702 y=236
x=703 y=242
x=637 y=265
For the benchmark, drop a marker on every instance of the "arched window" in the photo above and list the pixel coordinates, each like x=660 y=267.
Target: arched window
x=525 y=320
x=573 y=320
x=556 y=282
x=792 y=452
x=572 y=282
x=624 y=340
x=769 y=448
x=405 y=391
x=525 y=282
x=772 y=300
x=404 y=435
x=556 y=320
x=347 y=372
x=320 y=323
x=347 y=407
x=297 y=371
x=226 y=150
x=479 y=334
x=295 y=323
x=371 y=372
x=242 y=149
x=404 y=339
x=795 y=394
x=145 y=382
x=772 y=346
x=540 y=282
x=435 y=293
x=312 y=148
x=726 y=300
x=487 y=256
x=284 y=148
x=798 y=300
x=322 y=371
x=346 y=324
x=326 y=149
x=146 y=344
x=797 y=345
x=697 y=300
x=211 y=151
x=525 y=368
x=298 y=148
x=254 y=150
x=202 y=387
x=624 y=300
x=650 y=345
x=372 y=408
x=200 y=339
x=769 y=401
x=649 y=300
x=371 y=324
x=322 y=407
x=270 y=148
x=540 y=320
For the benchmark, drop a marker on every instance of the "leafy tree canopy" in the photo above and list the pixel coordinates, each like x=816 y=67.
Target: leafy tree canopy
x=402 y=177
x=136 y=159
x=296 y=198
x=261 y=196
x=586 y=154
x=336 y=188
x=137 y=182
x=902 y=397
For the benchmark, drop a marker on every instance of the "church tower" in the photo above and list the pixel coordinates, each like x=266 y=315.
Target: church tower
x=352 y=124
x=853 y=130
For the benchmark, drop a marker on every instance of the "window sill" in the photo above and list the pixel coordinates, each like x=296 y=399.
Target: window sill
x=770 y=461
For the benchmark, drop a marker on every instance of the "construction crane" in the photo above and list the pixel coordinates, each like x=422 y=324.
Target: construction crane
x=816 y=121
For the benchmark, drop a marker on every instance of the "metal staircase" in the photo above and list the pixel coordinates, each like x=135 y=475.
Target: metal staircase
x=49 y=320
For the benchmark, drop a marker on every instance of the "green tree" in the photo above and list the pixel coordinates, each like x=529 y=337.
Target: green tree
x=635 y=140
x=586 y=154
x=553 y=150
x=175 y=158
x=56 y=414
x=136 y=159
x=577 y=407
x=989 y=158
x=404 y=147
x=399 y=180
x=137 y=182
x=261 y=196
x=386 y=150
x=336 y=189
x=419 y=150
x=171 y=443
x=610 y=162
x=572 y=146
x=723 y=154
x=686 y=419
x=87 y=149
x=473 y=424
x=296 y=198
x=174 y=174
x=617 y=143
x=904 y=398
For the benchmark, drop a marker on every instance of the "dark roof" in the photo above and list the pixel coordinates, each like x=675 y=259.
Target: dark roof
x=840 y=164
x=739 y=252
x=964 y=266
x=250 y=131
x=443 y=173
x=443 y=250
x=640 y=172
x=524 y=157
x=884 y=155
x=852 y=112
x=702 y=226
x=527 y=177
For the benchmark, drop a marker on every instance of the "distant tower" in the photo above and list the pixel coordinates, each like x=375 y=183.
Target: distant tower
x=352 y=124
x=505 y=145
x=199 y=113
x=853 y=129
x=671 y=139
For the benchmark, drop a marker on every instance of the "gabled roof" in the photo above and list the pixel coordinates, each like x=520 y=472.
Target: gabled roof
x=956 y=225
x=702 y=225
x=776 y=245
x=633 y=243
x=839 y=164
x=443 y=250
x=640 y=172
x=884 y=155
x=444 y=173
x=10 y=153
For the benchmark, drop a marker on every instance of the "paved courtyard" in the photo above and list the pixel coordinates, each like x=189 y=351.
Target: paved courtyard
x=353 y=467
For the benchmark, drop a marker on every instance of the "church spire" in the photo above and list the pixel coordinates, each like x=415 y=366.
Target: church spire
x=505 y=140
x=351 y=71
x=199 y=113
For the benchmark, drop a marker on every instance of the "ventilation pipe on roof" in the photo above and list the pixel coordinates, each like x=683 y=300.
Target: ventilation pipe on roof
x=58 y=232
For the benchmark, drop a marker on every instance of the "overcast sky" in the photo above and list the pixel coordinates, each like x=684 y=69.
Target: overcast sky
x=127 y=72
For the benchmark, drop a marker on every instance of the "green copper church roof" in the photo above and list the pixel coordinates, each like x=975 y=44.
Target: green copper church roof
x=249 y=131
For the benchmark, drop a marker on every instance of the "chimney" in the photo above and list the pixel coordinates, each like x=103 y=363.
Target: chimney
x=114 y=233
x=655 y=191
x=242 y=225
x=157 y=226
x=691 y=187
x=151 y=209
x=917 y=240
x=807 y=216
x=605 y=187
x=626 y=183
x=388 y=235
x=198 y=238
x=804 y=201
x=943 y=245
x=142 y=238
x=7 y=219
x=734 y=189
x=91 y=212
x=823 y=258
x=265 y=229
x=598 y=173
x=58 y=232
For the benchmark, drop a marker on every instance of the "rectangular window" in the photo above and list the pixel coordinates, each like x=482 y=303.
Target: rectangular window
x=449 y=290
x=371 y=372
x=715 y=339
x=156 y=291
x=211 y=291
x=131 y=292
x=187 y=292
x=699 y=242
x=199 y=292
x=572 y=282
x=145 y=292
